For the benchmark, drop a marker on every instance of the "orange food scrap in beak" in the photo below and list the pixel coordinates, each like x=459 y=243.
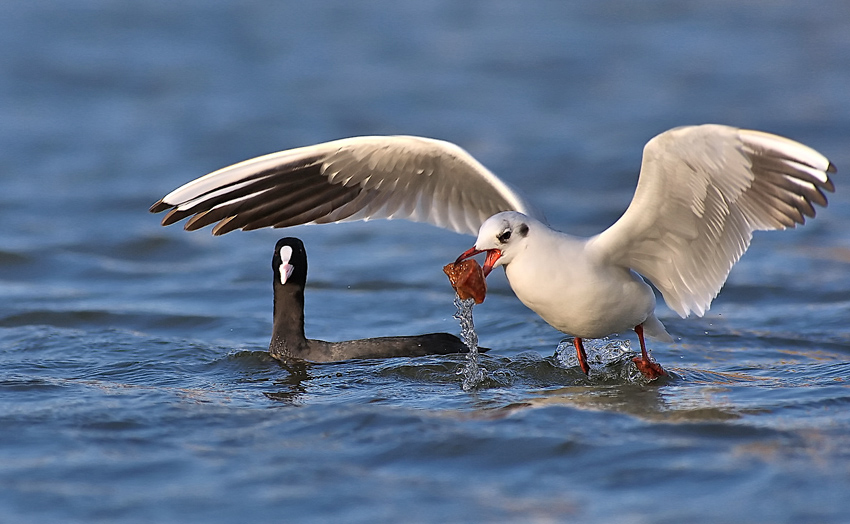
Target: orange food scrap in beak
x=467 y=278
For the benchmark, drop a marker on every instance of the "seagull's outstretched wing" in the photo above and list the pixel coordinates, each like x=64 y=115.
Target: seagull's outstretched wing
x=361 y=178
x=702 y=192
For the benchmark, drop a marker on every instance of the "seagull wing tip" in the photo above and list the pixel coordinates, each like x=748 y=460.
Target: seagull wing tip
x=159 y=206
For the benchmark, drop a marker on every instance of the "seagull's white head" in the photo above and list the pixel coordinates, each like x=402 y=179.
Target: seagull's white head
x=502 y=236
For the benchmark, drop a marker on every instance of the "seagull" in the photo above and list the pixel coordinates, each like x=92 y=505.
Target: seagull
x=701 y=193
x=289 y=342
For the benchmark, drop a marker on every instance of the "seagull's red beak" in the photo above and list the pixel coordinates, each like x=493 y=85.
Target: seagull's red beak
x=492 y=256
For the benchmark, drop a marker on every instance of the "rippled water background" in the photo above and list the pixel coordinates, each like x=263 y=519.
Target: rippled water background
x=134 y=383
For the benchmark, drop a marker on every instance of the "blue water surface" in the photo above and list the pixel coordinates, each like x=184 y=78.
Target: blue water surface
x=134 y=380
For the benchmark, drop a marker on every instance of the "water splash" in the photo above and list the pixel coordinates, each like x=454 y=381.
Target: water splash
x=606 y=357
x=471 y=372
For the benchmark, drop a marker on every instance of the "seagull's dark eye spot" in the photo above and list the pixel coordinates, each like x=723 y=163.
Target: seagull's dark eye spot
x=504 y=236
x=522 y=230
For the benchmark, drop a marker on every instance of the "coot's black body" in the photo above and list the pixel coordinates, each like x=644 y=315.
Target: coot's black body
x=290 y=342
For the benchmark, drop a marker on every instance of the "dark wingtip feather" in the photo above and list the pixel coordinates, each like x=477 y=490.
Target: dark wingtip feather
x=829 y=186
x=159 y=206
x=224 y=227
x=173 y=216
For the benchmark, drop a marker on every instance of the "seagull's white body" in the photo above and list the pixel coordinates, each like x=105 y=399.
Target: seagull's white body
x=559 y=277
x=702 y=191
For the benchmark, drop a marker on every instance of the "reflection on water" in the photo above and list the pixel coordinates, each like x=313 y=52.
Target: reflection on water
x=651 y=402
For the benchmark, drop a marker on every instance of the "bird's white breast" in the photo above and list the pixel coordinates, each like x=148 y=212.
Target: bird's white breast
x=576 y=295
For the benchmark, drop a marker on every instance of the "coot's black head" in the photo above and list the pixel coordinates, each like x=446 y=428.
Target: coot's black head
x=290 y=262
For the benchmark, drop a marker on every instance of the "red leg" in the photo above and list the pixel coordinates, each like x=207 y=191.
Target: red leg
x=639 y=331
x=650 y=369
x=582 y=356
